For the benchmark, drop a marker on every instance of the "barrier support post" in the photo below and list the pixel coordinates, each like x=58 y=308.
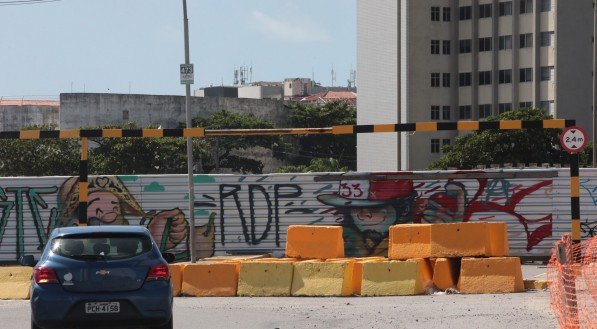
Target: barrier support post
x=83 y=183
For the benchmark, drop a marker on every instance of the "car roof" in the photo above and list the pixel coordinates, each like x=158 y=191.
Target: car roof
x=63 y=231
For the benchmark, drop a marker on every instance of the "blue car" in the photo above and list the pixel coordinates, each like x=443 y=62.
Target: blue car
x=109 y=276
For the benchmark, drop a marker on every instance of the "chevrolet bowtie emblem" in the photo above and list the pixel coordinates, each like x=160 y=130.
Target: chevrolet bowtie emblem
x=102 y=272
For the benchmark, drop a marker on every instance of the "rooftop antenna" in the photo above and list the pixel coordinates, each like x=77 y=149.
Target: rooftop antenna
x=235 y=76
x=352 y=81
x=333 y=76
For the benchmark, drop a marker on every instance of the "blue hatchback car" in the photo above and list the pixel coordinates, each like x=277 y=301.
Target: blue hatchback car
x=108 y=276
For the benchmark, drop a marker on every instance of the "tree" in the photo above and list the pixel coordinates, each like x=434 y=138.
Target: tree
x=341 y=147
x=506 y=146
x=316 y=165
x=225 y=152
x=39 y=157
x=118 y=156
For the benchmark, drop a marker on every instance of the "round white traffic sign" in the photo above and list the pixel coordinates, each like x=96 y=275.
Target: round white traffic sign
x=574 y=139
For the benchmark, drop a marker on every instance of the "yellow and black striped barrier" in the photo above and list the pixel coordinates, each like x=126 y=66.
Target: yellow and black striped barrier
x=464 y=126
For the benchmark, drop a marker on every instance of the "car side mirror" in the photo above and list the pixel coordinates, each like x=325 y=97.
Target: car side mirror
x=27 y=260
x=169 y=257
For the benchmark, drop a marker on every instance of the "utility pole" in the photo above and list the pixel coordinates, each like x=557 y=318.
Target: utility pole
x=189 y=139
x=594 y=85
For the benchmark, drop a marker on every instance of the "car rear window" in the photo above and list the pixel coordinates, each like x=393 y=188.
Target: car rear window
x=101 y=246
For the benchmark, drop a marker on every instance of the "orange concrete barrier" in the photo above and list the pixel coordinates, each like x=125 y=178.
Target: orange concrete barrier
x=408 y=241
x=490 y=275
x=176 y=278
x=396 y=278
x=323 y=279
x=314 y=242
x=210 y=279
x=459 y=240
x=265 y=278
x=446 y=272
x=15 y=282
x=498 y=239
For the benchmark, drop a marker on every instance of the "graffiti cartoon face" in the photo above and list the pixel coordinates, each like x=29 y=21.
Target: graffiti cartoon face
x=377 y=219
x=103 y=208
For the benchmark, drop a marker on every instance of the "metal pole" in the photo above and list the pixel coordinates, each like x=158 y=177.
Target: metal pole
x=594 y=85
x=189 y=139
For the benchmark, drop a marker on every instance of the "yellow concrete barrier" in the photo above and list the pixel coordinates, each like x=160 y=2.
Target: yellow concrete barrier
x=176 y=277
x=326 y=279
x=490 y=275
x=314 y=242
x=536 y=284
x=409 y=241
x=498 y=239
x=357 y=273
x=446 y=272
x=459 y=240
x=15 y=282
x=265 y=278
x=216 y=279
x=396 y=278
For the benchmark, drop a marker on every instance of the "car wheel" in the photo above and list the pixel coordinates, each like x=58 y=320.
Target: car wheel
x=168 y=325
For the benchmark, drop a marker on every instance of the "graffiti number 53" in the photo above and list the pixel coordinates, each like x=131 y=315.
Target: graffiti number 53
x=352 y=190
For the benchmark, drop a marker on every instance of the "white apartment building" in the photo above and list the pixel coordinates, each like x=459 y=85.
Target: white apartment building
x=450 y=60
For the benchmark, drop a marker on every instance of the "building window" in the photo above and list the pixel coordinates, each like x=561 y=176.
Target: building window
x=505 y=76
x=125 y=115
x=434 y=79
x=466 y=13
x=434 y=112
x=547 y=38
x=446 y=80
x=526 y=40
x=465 y=46
x=464 y=79
x=547 y=73
x=548 y=107
x=506 y=8
x=446 y=47
x=464 y=112
x=434 y=145
x=485 y=11
x=526 y=6
x=435 y=47
x=446 y=113
x=485 y=44
x=505 y=107
x=445 y=142
x=435 y=14
x=525 y=105
x=484 y=78
x=447 y=14
x=505 y=42
x=526 y=75
x=484 y=111
x=545 y=6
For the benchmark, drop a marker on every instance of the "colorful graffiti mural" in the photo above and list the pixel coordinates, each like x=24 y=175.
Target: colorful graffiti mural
x=237 y=213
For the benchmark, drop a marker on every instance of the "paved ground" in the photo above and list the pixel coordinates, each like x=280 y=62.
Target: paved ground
x=525 y=311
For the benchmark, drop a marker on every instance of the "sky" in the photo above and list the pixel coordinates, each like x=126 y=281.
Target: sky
x=137 y=46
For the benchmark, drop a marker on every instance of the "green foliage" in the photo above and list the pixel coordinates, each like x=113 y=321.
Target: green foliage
x=224 y=152
x=316 y=165
x=41 y=157
x=499 y=147
x=342 y=147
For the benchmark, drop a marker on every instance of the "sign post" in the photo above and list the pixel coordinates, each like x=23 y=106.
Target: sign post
x=187 y=74
x=574 y=140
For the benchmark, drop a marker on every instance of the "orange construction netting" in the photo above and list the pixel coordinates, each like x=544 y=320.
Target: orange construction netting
x=572 y=277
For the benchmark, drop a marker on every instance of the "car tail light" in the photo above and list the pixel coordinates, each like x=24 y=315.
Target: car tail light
x=44 y=275
x=158 y=272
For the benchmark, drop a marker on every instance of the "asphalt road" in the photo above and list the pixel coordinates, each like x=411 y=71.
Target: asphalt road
x=526 y=310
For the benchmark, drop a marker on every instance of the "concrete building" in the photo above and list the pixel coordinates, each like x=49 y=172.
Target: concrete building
x=218 y=91
x=297 y=87
x=17 y=114
x=450 y=60
x=262 y=90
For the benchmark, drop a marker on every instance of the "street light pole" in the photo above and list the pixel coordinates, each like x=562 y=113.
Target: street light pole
x=189 y=140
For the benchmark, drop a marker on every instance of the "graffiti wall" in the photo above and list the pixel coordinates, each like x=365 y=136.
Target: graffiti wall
x=250 y=213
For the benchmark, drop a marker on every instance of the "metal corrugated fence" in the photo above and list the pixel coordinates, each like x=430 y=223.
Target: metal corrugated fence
x=250 y=213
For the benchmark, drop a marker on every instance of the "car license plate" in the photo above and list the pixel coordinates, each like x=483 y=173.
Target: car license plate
x=102 y=307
